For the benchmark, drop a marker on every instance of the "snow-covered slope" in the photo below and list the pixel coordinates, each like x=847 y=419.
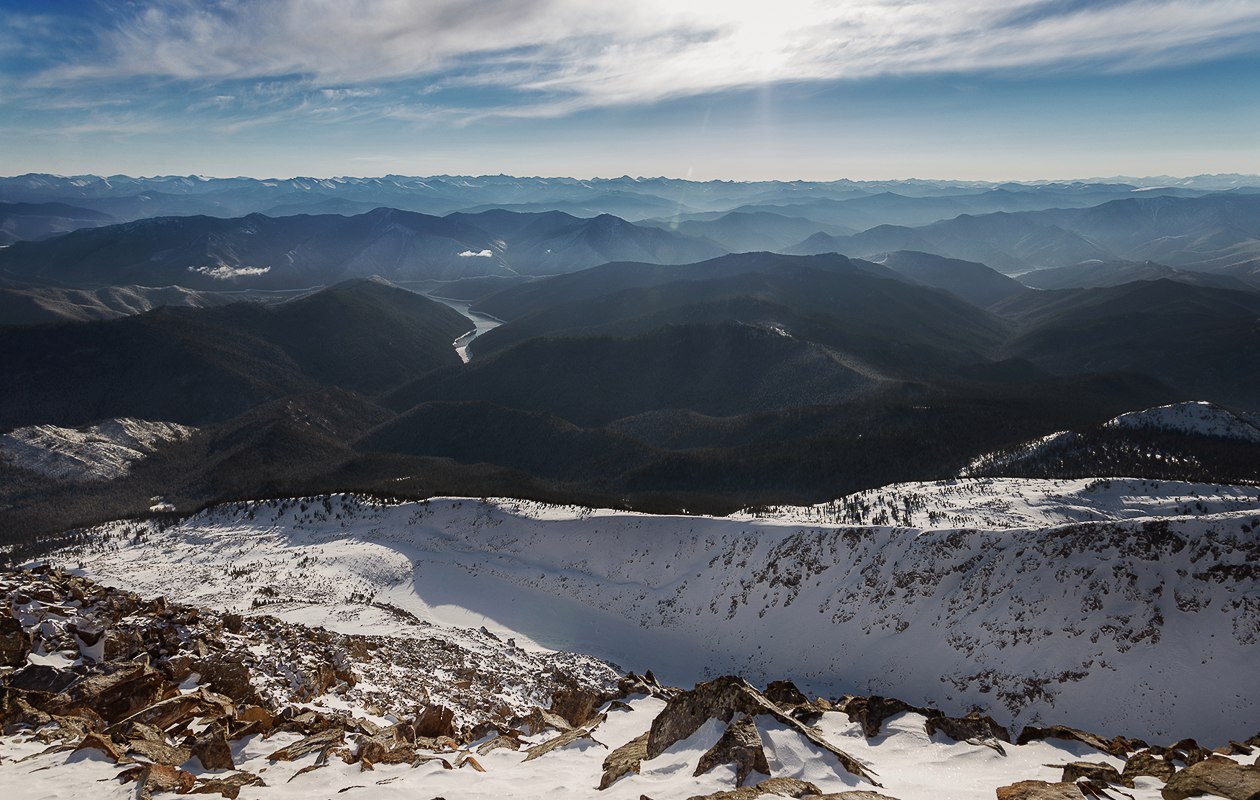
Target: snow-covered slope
x=1200 y=417
x=97 y=452
x=1119 y=606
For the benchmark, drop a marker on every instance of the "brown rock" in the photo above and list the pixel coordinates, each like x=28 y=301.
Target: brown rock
x=436 y=721
x=624 y=761
x=781 y=787
x=229 y=677
x=1039 y=790
x=1215 y=775
x=228 y=786
x=785 y=694
x=122 y=644
x=1189 y=751
x=95 y=741
x=179 y=709
x=212 y=748
x=537 y=721
x=575 y=706
x=116 y=695
x=740 y=745
x=233 y=622
x=42 y=678
x=1148 y=765
x=15 y=642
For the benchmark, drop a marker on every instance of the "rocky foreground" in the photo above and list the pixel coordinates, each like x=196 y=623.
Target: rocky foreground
x=105 y=693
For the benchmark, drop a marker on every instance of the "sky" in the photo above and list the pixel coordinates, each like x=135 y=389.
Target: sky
x=706 y=89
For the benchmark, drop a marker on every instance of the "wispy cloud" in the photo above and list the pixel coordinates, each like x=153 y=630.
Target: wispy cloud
x=554 y=57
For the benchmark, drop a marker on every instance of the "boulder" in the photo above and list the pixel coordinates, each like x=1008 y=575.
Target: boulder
x=1039 y=790
x=537 y=721
x=575 y=706
x=43 y=678
x=740 y=745
x=15 y=642
x=435 y=721
x=233 y=622
x=1147 y=764
x=785 y=694
x=95 y=741
x=228 y=676
x=212 y=749
x=624 y=761
x=116 y=695
x=1215 y=775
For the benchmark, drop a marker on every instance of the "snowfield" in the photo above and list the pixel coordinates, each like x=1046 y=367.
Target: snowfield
x=1200 y=417
x=1118 y=606
x=97 y=452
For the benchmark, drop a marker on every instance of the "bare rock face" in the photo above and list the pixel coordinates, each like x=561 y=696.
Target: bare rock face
x=1039 y=790
x=1215 y=775
x=436 y=721
x=15 y=642
x=228 y=677
x=740 y=745
x=1148 y=765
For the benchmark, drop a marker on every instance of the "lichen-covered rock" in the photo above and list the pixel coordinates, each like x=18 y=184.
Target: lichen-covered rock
x=1214 y=775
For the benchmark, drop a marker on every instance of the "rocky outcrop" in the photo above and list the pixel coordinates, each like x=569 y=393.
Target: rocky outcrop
x=1215 y=775
x=1117 y=746
x=576 y=706
x=1146 y=764
x=741 y=746
x=872 y=711
x=723 y=698
x=1039 y=790
x=974 y=728
x=565 y=739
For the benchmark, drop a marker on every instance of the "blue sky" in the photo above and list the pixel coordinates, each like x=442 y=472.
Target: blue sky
x=982 y=89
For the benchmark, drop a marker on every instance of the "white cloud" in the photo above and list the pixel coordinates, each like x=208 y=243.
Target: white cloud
x=565 y=55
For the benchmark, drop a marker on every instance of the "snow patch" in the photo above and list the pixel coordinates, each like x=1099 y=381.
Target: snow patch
x=97 y=452
x=226 y=273
x=1200 y=418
